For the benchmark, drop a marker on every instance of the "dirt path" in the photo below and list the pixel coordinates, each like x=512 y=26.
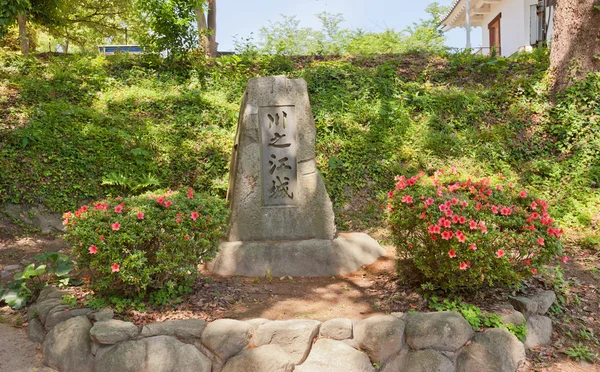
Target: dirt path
x=17 y=353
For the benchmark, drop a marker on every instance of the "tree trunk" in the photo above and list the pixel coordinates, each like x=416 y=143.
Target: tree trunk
x=575 y=42
x=212 y=27
x=202 y=29
x=23 y=38
x=66 y=49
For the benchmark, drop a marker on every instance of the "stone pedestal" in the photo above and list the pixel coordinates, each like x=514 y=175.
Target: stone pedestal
x=281 y=216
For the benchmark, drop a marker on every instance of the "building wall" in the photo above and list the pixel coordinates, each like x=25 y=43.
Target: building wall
x=514 y=25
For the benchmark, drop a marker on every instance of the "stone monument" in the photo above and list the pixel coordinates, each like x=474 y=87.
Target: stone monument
x=281 y=219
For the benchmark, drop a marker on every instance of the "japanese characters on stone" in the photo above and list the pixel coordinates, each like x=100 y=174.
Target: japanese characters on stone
x=278 y=152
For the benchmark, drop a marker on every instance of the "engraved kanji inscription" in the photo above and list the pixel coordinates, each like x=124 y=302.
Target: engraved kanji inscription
x=278 y=153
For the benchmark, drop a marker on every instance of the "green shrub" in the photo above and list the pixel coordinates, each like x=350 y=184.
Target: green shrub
x=464 y=234
x=153 y=242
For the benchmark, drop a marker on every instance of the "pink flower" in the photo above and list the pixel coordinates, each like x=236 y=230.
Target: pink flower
x=93 y=249
x=511 y=185
x=455 y=219
x=140 y=215
x=447 y=235
x=472 y=225
x=116 y=226
x=119 y=208
x=446 y=223
x=473 y=247
x=505 y=211
x=429 y=201
x=482 y=227
x=565 y=259
x=101 y=206
x=451 y=253
x=442 y=207
x=407 y=199
x=423 y=215
x=533 y=205
x=190 y=193
x=115 y=268
x=194 y=215
x=464 y=203
x=461 y=237
x=462 y=219
x=390 y=194
x=499 y=187
x=540 y=241
x=168 y=203
x=160 y=200
x=102 y=237
x=500 y=253
x=454 y=201
x=533 y=271
x=527 y=262
x=463 y=266
x=494 y=209
x=523 y=194
x=478 y=206
x=178 y=220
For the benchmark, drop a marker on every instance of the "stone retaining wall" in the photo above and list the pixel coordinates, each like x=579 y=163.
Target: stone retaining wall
x=86 y=340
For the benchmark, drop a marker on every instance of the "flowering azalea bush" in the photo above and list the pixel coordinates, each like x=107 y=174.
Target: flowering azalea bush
x=467 y=234
x=136 y=245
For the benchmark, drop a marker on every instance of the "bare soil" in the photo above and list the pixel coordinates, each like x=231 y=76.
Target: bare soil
x=374 y=289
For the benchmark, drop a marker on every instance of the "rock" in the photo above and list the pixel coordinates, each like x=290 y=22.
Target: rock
x=380 y=336
x=539 y=331
x=510 y=316
x=37 y=216
x=9 y=271
x=110 y=332
x=255 y=323
x=67 y=346
x=294 y=336
x=352 y=343
x=267 y=358
x=537 y=304
x=32 y=312
x=101 y=315
x=494 y=350
x=337 y=329
x=398 y=314
x=58 y=314
x=441 y=331
x=420 y=361
x=43 y=308
x=35 y=331
x=254 y=213
x=152 y=354
x=309 y=258
x=185 y=329
x=226 y=337
x=331 y=356
x=49 y=292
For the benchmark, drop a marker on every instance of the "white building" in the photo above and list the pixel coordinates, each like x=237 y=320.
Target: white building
x=507 y=26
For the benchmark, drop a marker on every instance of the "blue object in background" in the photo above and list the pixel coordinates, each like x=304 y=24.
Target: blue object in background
x=112 y=49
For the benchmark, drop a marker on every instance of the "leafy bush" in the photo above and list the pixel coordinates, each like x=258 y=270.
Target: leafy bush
x=467 y=234
x=153 y=242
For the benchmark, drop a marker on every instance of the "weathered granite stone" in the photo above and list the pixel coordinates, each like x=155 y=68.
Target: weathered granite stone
x=59 y=314
x=49 y=292
x=187 y=328
x=545 y=299
x=537 y=304
x=267 y=358
x=36 y=331
x=420 y=361
x=67 y=346
x=152 y=354
x=332 y=356
x=398 y=314
x=380 y=336
x=226 y=337
x=294 y=336
x=352 y=343
x=37 y=216
x=101 y=315
x=509 y=315
x=9 y=271
x=43 y=308
x=336 y=329
x=309 y=258
x=111 y=331
x=257 y=322
x=524 y=305
x=539 y=331
x=311 y=214
x=494 y=350
x=441 y=331
x=32 y=312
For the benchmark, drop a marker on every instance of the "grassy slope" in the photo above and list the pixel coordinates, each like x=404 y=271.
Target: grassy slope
x=68 y=121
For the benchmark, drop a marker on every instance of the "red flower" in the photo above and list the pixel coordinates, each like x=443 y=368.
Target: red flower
x=464 y=203
x=527 y=262
x=511 y=185
x=541 y=241
x=533 y=205
x=168 y=203
x=478 y=206
x=390 y=195
x=93 y=249
x=500 y=253
x=473 y=247
x=119 y=208
x=194 y=215
x=499 y=187
x=447 y=235
x=494 y=209
x=455 y=219
x=523 y=194
x=461 y=237
x=451 y=253
x=462 y=219
x=160 y=200
x=116 y=226
x=483 y=227
x=533 y=271
x=423 y=215
x=140 y=215
x=505 y=211
x=429 y=201
x=102 y=237
x=565 y=259
x=170 y=192
x=463 y=265
x=115 y=268
x=178 y=220
x=407 y=199
x=454 y=201
x=472 y=225
x=101 y=206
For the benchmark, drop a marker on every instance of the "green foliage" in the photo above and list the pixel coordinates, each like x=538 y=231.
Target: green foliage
x=466 y=234
x=145 y=244
x=53 y=267
x=581 y=352
x=475 y=316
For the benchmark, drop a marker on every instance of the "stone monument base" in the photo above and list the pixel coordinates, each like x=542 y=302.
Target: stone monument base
x=310 y=258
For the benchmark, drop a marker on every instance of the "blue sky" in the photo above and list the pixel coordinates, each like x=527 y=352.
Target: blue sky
x=243 y=17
